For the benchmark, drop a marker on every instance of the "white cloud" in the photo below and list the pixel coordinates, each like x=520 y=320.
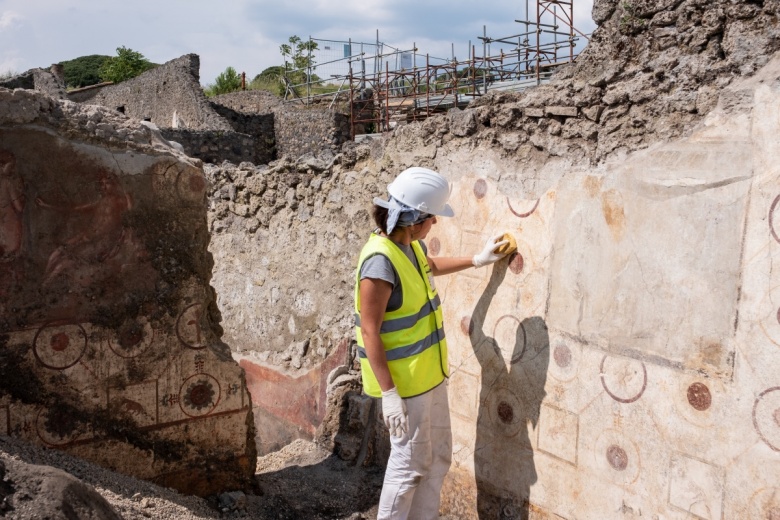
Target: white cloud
x=9 y=18
x=245 y=34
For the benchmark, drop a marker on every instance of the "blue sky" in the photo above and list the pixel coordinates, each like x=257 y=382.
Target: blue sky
x=245 y=34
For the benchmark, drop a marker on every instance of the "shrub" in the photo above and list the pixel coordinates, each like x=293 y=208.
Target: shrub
x=125 y=65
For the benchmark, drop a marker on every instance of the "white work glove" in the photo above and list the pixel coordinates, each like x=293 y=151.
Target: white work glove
x=394 y=412
x=488 y=256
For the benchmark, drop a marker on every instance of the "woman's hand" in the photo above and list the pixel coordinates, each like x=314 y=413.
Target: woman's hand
x=394 y=412
x=488 y=254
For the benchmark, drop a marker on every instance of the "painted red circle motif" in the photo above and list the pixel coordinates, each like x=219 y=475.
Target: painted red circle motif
x=480 y=188
x=466 y=325
x=771 y=218
x=617 y=457
x=434 y=246
x=501 y=403
x=197 y=183
x=131 y=335
x=522 y=214
x=509 y=330
x=516 y=263
x=562 y=356
x=199 y=395
x=132 y=338
x=699 y=396
x=506 y=413
x=766 y=417
x=59 y=346
x=59 y=342
x=621 y=378
x=190 y=185
x=58 y=427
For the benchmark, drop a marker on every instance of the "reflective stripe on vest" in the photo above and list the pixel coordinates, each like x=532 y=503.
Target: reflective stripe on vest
x=413 y=335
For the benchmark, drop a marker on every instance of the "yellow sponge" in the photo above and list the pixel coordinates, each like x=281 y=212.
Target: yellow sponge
x=509 y=248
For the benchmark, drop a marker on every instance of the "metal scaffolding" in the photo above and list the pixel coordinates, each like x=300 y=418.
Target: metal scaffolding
x=385 y=86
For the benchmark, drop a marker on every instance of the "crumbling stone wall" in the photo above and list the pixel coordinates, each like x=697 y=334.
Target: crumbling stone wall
x=84 y=94
x=215 y=147
x=650 y=72
x=251 y=120
x=110 y=342
x=50 y=82
x=170 y=96
x=301 y=131
x=272 y=227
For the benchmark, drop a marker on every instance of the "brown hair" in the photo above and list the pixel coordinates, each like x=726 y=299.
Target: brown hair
x=380 y=217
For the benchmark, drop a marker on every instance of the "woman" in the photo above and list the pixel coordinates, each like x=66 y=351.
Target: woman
x=401 y=343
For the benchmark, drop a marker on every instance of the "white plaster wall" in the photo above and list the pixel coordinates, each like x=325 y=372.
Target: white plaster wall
x=654 y=391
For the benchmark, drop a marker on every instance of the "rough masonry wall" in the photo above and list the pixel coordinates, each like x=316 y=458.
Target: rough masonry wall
x=170 y=95
x=309 y=131
x=283 y=240
x=247 y=113
x=50 y=82
x=217 y=146
x=110 y=342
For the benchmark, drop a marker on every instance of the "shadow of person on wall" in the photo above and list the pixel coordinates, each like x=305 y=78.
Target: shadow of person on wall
x=509 y=399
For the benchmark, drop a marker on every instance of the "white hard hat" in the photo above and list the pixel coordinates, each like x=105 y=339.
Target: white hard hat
x=422 y=189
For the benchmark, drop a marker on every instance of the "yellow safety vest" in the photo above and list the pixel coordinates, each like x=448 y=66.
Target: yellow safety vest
x=413 y=335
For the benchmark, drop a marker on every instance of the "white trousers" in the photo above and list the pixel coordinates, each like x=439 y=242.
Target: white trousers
x=419 y=460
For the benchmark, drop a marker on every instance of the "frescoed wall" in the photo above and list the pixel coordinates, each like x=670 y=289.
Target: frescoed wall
x=109 y=338
x=623 y=364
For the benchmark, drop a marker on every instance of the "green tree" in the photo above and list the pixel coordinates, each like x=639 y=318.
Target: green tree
x=227 y=81
x=269 y=79
x=297 y=61
x=125 y=65
x=84 y=70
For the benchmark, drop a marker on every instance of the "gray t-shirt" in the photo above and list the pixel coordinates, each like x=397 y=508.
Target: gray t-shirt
x=379 y=267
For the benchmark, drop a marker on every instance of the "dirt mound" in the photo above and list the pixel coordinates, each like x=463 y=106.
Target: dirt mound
x=300 y=481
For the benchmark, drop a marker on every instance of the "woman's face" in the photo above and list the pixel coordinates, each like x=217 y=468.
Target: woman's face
x=421 y=230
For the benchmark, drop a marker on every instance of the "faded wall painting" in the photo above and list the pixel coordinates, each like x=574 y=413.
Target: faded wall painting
x=109 y=335
x=624 y=362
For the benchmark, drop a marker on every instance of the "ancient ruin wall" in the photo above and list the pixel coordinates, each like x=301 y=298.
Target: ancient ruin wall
x=252 y=119
x=622 y=364
x=217 y=146
x=50 y=82
x=169 y=95
x=313 y=131
x=283 y=239
x=110 y=342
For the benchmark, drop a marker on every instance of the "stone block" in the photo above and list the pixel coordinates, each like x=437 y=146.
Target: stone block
x=533 y=112
x=560 y=111
x=593 y=113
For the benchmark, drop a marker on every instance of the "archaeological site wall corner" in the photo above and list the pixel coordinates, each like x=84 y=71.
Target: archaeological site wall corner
x=110 y=342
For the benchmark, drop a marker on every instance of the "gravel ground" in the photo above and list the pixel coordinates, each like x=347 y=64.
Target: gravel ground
x=301 y=481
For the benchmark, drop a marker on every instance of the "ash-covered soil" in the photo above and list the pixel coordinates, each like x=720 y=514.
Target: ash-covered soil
x=301 y=481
